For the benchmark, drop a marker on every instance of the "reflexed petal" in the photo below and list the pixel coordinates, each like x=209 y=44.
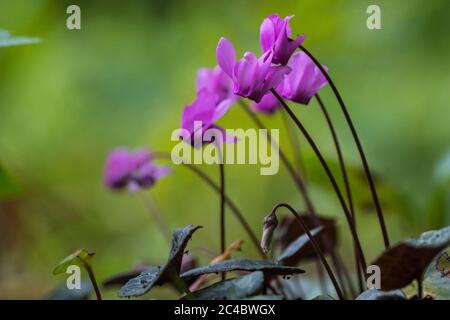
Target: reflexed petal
x=304 y=81
x=204 y=76
x=268 y=104
x=245 y=72
x=267 y=35
x=118 y=168
x=275 y=76
x=222 y=108
x=226 y=56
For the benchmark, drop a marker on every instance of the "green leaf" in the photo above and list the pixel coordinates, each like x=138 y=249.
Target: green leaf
x=374 y=294
x=80 y=257
x=293 y=252
x=232 y=289
x=168 y=272
x=436 y=281
x=8 y=186
x=63 y=293
x=407 y=261
x=270 y=267
x=7 y=40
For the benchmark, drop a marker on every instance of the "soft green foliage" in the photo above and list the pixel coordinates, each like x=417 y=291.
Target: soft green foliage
x=8 y=186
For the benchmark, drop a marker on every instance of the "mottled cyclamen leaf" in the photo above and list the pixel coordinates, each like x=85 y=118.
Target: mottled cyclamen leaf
x=80 y=257
x=407 y=261
x=144 y=282
x=180 y=239
x=290 y=230
x=291 y=254
x=161 y=274
x=270 y=267
x=63 y=293
x=7 y=40
x=436 y=282
x=232 y=289
x=374 y=294
x=323 y=297
x=265 y=297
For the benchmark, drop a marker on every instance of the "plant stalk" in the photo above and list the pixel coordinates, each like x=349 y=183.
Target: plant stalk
x=358 y=145
x=330 y=175
x=344 y=175
x=315 y=246
x=302 y=188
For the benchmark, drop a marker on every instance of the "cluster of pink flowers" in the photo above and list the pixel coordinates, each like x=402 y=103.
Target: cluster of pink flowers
x=292 y=74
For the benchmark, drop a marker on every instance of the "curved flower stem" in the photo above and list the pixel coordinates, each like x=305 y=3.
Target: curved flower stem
x=340 y=156
x=358 y=145
x=301 y=186
x=344 y=175
x=301 y=169
x=159 y=220
x=222 y=204
x=314 y=244
x=360 y=253
x=202 y=175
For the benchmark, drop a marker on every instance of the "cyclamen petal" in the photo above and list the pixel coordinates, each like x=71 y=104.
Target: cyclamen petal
x=252 y=77
x=215 y=81
x=118 y=168
x=269 y=103
x=304 y=81
x=133 y=170
x=275 y=76
x=275 y=35
x=200 y=116
x=226 y=56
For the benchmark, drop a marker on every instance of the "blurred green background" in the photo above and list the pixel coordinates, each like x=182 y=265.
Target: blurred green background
x=123 y=79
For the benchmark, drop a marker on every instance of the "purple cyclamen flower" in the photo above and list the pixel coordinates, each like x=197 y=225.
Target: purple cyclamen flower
x=275 y=35
x=215 y=81
x=201 y=115
x=132 y=169
x=252 y=77
x=304 y=81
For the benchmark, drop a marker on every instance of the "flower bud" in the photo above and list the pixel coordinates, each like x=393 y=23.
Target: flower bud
x=269 y=225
